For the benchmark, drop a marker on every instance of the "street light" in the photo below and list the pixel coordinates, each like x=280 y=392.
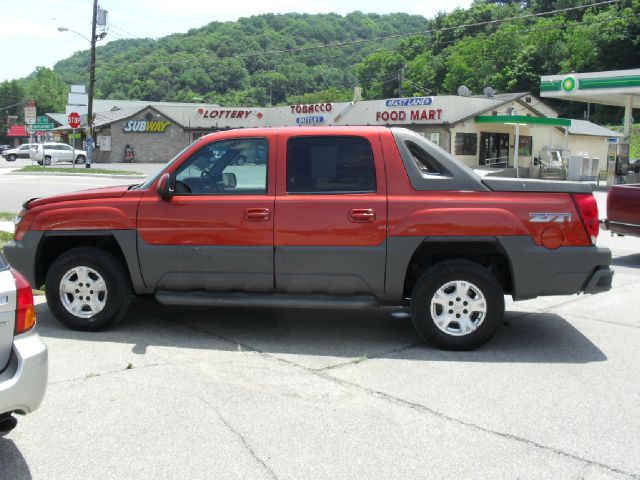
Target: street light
x=65 y=29
x=92 y=74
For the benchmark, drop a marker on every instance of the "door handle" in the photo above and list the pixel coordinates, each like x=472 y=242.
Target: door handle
x=257 y=214
x=362 y=215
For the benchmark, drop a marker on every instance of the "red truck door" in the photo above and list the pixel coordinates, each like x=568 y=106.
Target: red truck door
x=216 y=232
x=331 y=213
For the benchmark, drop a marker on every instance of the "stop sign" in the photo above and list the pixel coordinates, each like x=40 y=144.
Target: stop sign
x=74 y=119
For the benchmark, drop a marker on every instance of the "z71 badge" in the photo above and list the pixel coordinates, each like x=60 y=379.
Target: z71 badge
x=549 y=217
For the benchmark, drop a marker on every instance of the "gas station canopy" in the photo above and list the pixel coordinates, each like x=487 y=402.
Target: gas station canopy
x=617 y=87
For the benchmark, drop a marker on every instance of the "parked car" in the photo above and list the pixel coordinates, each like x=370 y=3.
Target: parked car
x=4 y=148
x=623 y=210
x=23 y=151
x=23 y=354
x=634 y=165
x=336 y=217
x=54 y=152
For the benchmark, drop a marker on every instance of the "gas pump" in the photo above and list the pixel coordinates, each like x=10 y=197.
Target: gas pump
x=622 y=163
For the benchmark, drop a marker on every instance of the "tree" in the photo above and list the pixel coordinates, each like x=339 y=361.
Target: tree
x=11 y=103
x=379 y=74
x=48 y=90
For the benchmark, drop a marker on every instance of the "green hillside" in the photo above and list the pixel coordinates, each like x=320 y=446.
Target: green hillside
x=239 y=62
x=299 y=58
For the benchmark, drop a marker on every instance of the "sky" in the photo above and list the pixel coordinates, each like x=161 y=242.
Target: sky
x=29 y=35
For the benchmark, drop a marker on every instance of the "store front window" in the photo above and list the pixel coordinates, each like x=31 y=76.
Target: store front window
x=466 y=144
x=525 y=146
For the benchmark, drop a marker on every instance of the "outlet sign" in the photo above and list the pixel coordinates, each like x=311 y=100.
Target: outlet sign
x=311 y=120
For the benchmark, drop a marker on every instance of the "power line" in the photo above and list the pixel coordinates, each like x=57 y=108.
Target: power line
x=123 y=30
x=387 y=37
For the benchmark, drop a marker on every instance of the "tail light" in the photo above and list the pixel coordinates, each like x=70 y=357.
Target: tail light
x=588 y=209
x=25 y=310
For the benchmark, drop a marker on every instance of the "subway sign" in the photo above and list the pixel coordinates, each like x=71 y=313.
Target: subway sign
x=145 y=126
x=409 y=102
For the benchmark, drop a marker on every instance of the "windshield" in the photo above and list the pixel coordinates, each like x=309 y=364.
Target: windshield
x=149 y=182
x=3 y=263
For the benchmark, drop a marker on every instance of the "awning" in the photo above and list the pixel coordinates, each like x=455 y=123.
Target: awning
x=524 y=120
x=17 y=131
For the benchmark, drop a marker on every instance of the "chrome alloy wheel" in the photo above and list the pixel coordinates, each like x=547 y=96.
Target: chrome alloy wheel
x=83 y=292
x=458 y=308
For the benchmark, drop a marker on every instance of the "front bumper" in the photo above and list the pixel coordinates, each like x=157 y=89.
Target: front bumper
x=24 y=381
x=21 y=255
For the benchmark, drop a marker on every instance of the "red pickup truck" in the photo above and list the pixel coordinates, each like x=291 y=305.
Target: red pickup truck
x=623 y=210
x=315 y=217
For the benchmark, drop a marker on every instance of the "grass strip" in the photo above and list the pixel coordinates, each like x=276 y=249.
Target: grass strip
x=86 y=171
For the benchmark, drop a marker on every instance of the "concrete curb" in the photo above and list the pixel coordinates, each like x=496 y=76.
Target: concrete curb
x=6 y=226
x=71 y=174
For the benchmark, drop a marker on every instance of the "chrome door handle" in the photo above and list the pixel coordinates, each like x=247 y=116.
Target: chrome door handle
x=362 y=215
x=257 y=214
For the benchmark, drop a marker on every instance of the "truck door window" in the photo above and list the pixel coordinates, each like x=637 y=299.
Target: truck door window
x=330 y=165
x=237 y=166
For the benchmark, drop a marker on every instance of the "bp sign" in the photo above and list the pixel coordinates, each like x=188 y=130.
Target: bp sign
x=569 y=83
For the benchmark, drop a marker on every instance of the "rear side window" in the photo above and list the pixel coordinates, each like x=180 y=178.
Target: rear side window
x=423 y=159
x=330 y=165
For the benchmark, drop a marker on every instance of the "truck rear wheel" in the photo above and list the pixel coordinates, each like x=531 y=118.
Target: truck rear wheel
x=88 y=289
x=457 y=305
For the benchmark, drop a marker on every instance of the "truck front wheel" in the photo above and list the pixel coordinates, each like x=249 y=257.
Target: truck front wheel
x=457 y=305
x=87 y=289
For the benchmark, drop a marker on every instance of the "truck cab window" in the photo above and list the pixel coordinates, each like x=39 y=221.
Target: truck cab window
x=237 y=166
x=324 y=165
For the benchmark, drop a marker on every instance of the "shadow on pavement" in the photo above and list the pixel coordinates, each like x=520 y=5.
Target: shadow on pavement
x=525 y=337
x=12 y=463
x=632 y=260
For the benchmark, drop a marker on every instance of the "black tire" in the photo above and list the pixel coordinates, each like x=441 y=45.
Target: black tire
x=115 y=300
x=12 y=157
x=80 y=159
x=47 y=160
x=449 y=333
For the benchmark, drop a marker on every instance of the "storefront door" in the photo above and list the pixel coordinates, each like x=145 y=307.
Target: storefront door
x=494 y=149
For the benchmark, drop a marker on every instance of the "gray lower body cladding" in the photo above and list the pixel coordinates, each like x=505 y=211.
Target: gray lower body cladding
x=379 y=270
x=22 y=254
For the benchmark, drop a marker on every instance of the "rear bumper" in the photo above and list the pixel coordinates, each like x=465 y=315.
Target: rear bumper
x=620 y=228
x=24 y=381
x=538 y=271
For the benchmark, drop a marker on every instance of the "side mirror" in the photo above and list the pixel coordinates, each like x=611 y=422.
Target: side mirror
x=166 y=186
x=229 y=180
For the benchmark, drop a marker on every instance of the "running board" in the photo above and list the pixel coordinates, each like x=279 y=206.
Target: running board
x=223 y=299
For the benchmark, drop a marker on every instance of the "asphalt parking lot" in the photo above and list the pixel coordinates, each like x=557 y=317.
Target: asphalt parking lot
x=218 y=393
x=290 y=394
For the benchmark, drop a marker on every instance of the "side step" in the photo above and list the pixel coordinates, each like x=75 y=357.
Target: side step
x=225 y=299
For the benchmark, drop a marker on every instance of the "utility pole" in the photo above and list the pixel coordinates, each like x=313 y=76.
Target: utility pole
x=92 y=81
x=400 y=80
